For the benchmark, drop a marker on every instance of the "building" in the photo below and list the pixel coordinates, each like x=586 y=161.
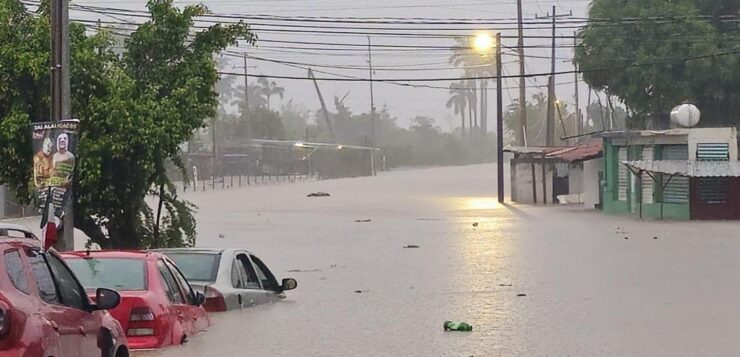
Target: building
x=679 y=174
x=571 y=174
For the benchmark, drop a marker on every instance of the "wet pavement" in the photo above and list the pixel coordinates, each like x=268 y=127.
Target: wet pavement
x=670 y=289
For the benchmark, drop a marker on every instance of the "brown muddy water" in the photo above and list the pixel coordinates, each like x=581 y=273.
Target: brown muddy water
x=589 y=291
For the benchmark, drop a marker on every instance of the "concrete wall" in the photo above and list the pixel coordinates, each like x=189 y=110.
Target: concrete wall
x=591 y=182
x=575 y=178
x=521 y=182
x=713 y=136
x=612 y=205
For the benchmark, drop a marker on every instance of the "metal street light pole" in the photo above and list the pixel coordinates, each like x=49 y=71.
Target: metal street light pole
x=499 y=122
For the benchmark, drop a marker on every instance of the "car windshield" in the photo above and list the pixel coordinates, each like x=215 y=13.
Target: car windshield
x=111 y=273
x=197 y=266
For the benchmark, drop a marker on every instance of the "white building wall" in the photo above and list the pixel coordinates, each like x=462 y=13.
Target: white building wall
x=521 y=183
x=713 y=136
x=591 y=183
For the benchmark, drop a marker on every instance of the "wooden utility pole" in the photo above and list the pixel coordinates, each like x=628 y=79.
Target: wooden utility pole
x=372 y=96
x=499 y=122
x=60 y=100
x=550 y=138
x=522 y=80
x=579 y=120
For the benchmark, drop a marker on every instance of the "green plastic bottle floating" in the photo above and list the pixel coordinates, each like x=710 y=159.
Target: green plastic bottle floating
x=457 y=326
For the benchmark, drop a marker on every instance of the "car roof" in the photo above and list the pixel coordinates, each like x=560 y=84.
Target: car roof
x=5 y=227
x=126 y=254
x=221 y=251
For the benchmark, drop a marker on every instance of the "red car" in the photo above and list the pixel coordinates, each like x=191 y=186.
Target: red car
x=158 y=306
x=45 y=311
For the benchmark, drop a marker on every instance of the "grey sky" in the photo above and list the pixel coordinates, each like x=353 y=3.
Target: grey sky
x=403 y=102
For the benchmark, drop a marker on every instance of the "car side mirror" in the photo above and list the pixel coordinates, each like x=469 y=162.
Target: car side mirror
x=200 y=298
x=289 y=284
x=106 y=299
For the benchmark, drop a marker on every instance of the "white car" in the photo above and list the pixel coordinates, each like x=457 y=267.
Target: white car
x=229 y=278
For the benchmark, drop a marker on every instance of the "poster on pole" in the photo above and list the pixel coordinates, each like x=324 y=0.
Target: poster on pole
x=54 y=160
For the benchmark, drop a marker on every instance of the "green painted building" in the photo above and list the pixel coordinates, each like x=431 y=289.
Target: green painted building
x=658 y=195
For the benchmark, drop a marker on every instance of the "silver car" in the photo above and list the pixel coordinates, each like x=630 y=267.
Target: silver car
x=229 y=278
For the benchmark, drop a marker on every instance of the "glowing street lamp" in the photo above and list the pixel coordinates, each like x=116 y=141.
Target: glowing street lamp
x=484 y=43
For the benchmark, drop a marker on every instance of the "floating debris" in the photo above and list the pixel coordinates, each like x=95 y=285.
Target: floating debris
x=221 y=235
x=521 y=295
x=475 y=224
x=410 y=246
x=318 y=194
x=505 y=285
x=363 y=220
x=303 y=270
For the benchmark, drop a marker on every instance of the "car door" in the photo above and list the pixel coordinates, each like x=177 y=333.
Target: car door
x=175 y=309
x=62 y=309
x=251 y=289
x=195 y=314
x=74 y=297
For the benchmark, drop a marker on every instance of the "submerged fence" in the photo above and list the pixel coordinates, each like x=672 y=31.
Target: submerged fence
x=275 y=161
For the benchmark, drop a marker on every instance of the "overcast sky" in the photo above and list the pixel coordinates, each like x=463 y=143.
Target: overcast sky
x=403 y=102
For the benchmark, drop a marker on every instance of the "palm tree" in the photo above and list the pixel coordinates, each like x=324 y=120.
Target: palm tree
x=270 y=88
x=458 y=100
x=475 y=66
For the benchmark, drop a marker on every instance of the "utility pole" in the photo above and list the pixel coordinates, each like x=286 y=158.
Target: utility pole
x=372 y=96
x=522 y=81
x=579 y=120
x=60 y=100
x=246 y=97
x=550 y=137
x=550 y=141
x=499 y=122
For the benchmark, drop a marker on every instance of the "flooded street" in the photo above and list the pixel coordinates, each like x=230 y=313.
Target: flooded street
x=589 y=291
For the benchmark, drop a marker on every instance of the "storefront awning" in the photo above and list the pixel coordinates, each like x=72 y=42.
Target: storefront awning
x=688 y=168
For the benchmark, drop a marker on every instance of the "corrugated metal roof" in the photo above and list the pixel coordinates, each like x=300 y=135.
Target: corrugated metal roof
x=689 y=168
x=578 y=153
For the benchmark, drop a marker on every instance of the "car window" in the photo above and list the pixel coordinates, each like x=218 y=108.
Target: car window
x=197 y=266
x=264 y=274
x=73 y=295
x=112 y=273
x=251 y=276
x=169 y=285
x=42 y=275
x=16 y=270
x=187 y=290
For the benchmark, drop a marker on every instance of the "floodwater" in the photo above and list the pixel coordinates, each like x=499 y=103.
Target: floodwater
x=589 y=291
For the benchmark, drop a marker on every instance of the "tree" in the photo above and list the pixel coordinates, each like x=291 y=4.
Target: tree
x=536 y=123
x=475 y=65
x=270 y=88
x=688 y=53
x=458 y=101
x=135 y=108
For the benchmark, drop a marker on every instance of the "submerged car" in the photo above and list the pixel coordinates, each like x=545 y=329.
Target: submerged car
x=45 y=311
x=230 y=278
x=158 y=307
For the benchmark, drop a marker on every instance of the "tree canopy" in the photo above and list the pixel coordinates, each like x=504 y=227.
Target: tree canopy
x=136 y=108
x=656 y=54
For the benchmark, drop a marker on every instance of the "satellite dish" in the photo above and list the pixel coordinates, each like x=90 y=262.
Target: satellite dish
x=685 y=115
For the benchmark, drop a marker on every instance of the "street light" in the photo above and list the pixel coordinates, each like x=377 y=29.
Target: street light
x=483 y=42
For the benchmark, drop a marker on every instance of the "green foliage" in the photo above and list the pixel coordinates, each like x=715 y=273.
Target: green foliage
x=135 y=108
x=642 y=62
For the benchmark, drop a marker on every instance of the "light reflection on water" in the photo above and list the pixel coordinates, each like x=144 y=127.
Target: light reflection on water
x=588 y=290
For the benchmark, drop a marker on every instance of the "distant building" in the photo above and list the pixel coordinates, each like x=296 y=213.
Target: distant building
x=680 y=174
x=541 y=175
